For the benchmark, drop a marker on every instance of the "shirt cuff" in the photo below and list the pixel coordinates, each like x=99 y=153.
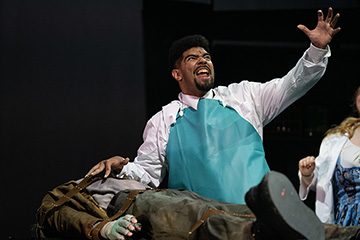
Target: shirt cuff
x=122 y=174
x=316 y=55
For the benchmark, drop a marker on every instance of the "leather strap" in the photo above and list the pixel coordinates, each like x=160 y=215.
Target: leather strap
x=128 y=201
x=63 y=199
x=208 y=213
x=80 y=186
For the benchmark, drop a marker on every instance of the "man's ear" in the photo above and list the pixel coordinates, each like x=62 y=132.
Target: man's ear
x=176 y=73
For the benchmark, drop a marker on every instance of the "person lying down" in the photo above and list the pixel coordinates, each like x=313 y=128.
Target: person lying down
x=126 y=209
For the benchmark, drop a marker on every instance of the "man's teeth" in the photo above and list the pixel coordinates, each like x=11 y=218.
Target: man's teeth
x=203 y=71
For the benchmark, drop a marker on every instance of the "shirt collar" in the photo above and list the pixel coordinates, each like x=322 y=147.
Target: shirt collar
x=192 y=101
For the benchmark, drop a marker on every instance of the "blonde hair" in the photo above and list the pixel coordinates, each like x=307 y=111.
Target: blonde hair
x=346 y=127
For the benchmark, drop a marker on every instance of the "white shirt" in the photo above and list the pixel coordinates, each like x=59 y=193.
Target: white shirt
x=258 y=103
x=350 y=155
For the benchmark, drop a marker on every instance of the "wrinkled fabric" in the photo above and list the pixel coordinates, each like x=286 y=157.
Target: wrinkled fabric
x=170 y=214
x=346 y=182
x=103 y=191
x=212 y=150
x=165 y=215
x=73 y=219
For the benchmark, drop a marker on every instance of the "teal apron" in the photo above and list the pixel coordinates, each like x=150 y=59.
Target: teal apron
x=214 y=152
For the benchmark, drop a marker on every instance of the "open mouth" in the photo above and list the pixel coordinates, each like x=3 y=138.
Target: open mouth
x=202 y=71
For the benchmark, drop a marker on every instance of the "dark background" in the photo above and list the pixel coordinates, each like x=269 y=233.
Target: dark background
x=79 y=79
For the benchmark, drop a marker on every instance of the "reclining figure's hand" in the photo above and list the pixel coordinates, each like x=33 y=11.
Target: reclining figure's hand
x=120 y=228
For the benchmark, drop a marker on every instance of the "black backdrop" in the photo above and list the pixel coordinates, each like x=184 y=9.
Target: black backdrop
x=72 y=94
x=80 y=79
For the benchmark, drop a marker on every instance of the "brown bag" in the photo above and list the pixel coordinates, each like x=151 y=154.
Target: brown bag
x=73 y=202
x=70 y=211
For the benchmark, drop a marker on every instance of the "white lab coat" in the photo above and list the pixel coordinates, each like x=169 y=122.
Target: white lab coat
x=330 y=150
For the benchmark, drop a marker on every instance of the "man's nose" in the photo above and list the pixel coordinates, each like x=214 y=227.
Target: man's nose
x=202 y=60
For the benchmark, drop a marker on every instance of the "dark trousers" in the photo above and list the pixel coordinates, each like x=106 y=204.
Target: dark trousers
x=170 y=214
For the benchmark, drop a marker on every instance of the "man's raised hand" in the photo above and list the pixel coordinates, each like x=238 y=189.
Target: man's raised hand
x=325 y=29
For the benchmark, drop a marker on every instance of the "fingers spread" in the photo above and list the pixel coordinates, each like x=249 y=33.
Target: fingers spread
x=303 y=28
x=336 y=31
x=334 y=21
x=320 y=16
x=329 y=15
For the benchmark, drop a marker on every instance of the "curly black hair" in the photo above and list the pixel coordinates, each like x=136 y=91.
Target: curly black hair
x=180 y=46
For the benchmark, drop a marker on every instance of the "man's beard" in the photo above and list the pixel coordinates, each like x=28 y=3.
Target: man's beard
x=205 y=86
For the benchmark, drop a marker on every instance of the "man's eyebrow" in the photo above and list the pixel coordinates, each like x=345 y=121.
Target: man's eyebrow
x=191 y=55
x=196 y=55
